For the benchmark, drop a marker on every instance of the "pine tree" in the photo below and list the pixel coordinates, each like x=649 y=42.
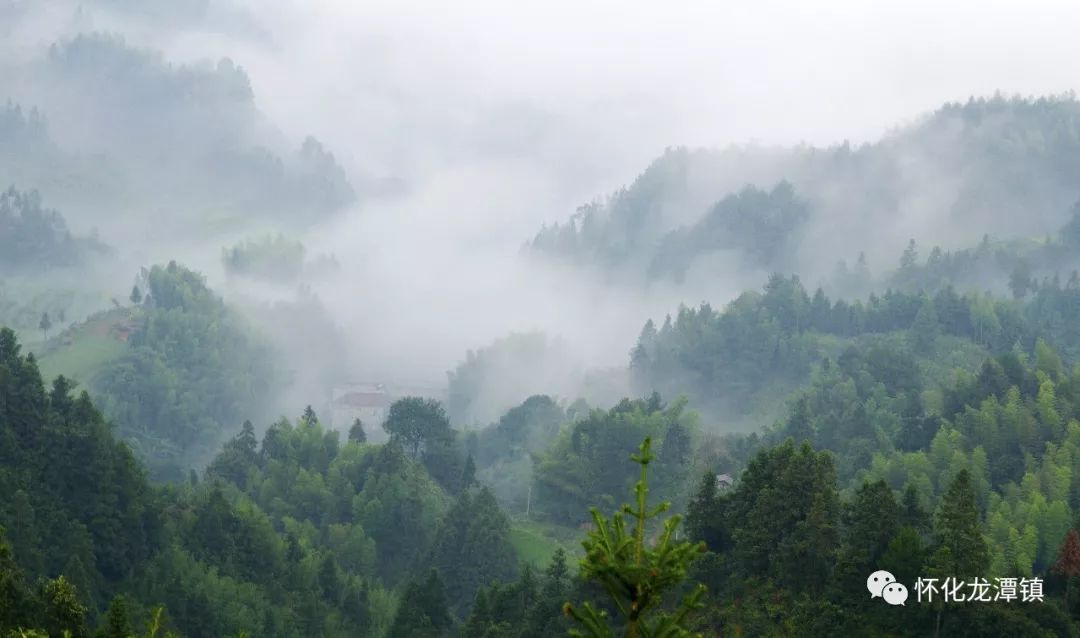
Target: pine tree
x=544 y=617
x=247 y=442
x=356 y=432
x=329 y=579
x=783 y=516
x=423 y=611
x=912 y=513
x=16 y=601
x=799 y=426
x=635 y=575
x=556 y=576
x=958 y=530
x=904 y=557
x=473 y=544
x=468 y=475
x=1020 y=280
x=704 y=517
x=357 y=604
x=677 y=446
x=136 y=295
x=925 y=327
x=45 y=324
x=871 y=521
x=479 y=620
x=117 y=624
x=639 y=356
x=910 y=257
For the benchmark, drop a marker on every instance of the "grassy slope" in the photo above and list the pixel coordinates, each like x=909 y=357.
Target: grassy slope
x=536 y=542
x=84 y=349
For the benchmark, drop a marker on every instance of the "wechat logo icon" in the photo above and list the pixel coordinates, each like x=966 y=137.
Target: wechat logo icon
x=883 y=585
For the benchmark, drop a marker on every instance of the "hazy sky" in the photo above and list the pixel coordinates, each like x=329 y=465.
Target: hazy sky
x=628 y=78
x=504 y=114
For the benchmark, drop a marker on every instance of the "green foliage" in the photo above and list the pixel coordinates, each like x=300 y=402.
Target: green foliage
x=273 y=543
x=870 y=523
x=530 y=607
x=273 y=258
x=925 y=327
x=784 y=517
x=73 y=515
x=583 y=465
x=415 y=422
x=423 y=611
x=356 y=432
x=117 y=624
x=765 y=226
x=473 y=544
x=959 y=531
x=685 y=213
x=195 y=119
x=193 y=370
x=503 y=452
x=634 y=573
x=35 y=238
x=494 y=378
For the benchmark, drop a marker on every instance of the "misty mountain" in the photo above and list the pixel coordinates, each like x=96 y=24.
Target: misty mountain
x=117 y=128
x=491 y=444
x=34 y=238
x=1006 y=164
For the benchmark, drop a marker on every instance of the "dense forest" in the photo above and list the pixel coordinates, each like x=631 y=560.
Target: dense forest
x=249 y=390
x=903 y=460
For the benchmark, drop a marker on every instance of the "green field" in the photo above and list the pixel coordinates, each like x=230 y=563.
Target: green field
x=535 y=543
x=83 y=350
x=79 y=361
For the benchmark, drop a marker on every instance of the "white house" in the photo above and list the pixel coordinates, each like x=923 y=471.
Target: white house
x=368 y=402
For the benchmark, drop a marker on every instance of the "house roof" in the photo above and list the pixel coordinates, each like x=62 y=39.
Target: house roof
x=363 y=400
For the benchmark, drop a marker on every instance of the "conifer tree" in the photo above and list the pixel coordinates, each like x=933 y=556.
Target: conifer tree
x=958 y=530
x=45 y=324
x=468 y=475
x=117 y=624
x=704 y=514
x=356 y=432
x=912 y=513
x=634 y=573
x=925 y=327
x=424 y=611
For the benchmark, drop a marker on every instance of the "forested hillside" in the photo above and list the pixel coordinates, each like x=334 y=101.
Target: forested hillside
x=36 y=239
x=102 y=126
x=1000 y=165
x=303 y=532
x=283 y=354
x=190 y=371
x=299 y=534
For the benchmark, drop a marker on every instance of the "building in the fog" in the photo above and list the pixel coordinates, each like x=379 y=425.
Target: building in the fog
x=367 y=402
x=370 y=402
